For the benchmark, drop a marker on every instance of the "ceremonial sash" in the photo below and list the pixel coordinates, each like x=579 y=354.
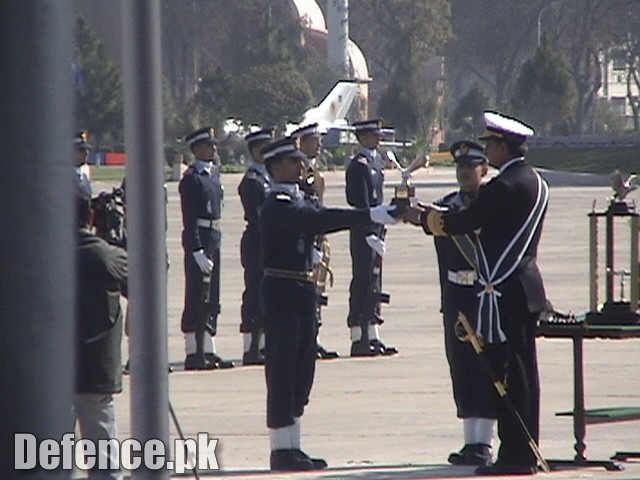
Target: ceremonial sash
x=491 y=276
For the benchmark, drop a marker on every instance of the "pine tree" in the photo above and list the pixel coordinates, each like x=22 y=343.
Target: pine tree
x=99 y=96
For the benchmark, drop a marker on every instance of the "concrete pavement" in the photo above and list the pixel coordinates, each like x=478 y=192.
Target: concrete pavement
x=394 y=418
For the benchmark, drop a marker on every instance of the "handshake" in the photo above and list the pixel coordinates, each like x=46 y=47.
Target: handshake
x=394 y=212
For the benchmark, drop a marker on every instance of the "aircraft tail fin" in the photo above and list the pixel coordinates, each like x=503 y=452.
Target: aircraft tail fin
x=335 y=105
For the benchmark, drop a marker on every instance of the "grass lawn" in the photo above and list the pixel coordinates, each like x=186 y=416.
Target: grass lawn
x=587 y=160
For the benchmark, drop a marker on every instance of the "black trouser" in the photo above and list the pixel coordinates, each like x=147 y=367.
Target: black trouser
x=362 y=306
x=517 y=361
x=473 y=392
x=290 y=329
x=193 y=285
x=251 y=315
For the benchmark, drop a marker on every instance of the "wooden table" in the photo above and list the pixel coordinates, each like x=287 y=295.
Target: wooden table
x=577 y=332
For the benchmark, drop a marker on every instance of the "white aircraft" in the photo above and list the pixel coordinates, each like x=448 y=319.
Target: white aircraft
x=331 y=112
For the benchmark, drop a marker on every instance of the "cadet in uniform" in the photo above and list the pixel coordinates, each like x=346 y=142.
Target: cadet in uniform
x=364 y=186
x=473 y=393
x=510 y=211
x=289 y=223
x=201 y=203
x=312 y=185
x=82 y=149
x=253 y=189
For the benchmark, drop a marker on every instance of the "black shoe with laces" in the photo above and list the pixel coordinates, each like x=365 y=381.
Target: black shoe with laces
x=363 y=349
x=289 y=461
x=382 y=348
x=318 y=463
x=324 y=354
x=477 y=454
x=505 y=469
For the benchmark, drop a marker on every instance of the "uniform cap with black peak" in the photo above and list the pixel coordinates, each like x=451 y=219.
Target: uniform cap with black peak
x=81 y=140
x=503 y=127
x=206 y=134
x=259 y=136
x=281 y=148
x=310 y=129
x=466 y=152
x=372 y=125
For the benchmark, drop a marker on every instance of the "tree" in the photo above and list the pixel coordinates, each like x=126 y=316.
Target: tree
x=492 y=39
x=99 y=95
x=408 y=103
x=467 y=116
x=270 y=94
x=582 y=31
x=399 y=38
x=627 y=38
x=394 y=32
x=210 y=104
x=545 y=92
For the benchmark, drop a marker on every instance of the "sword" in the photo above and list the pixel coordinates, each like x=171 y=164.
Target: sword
x=477 y=343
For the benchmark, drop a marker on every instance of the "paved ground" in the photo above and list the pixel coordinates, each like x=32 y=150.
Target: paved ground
x=394 y=418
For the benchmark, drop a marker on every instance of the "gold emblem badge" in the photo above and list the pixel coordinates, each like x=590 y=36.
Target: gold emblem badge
x=464 y=149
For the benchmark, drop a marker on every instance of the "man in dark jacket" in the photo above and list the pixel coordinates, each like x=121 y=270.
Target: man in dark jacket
x=509 y=211
x=101 y=278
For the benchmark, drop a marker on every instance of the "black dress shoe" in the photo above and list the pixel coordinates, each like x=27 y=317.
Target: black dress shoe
x=252 y=358
x=318 y=463
x=192 y=362
x=218 y=362
x=503 y=469
x=289 y=461
x=126 y=370
x=363 y=349
x=324 y=354
x=477 y=454
x=382 y=348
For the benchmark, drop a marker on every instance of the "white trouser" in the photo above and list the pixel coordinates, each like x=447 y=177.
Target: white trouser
x=96 y=417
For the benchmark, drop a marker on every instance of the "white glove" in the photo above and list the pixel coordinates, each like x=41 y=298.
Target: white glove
x=376 y=244
x=316 y=256
x=205 y=264
x=381 y=214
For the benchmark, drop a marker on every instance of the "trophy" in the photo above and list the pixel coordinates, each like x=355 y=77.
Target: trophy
x=406 y=192
x=617 y=308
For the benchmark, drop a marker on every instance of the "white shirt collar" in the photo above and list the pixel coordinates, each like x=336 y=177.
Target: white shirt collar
x=203 y=165
x=261 y=167
x=291 y=188
x=509 y=163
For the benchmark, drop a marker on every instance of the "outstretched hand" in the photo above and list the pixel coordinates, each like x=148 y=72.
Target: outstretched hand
x=412 y=214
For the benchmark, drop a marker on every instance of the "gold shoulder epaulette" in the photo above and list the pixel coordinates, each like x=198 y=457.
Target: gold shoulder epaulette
x=435 y=223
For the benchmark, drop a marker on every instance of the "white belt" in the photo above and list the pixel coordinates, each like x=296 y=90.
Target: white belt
x=213 y=224
x=462 y=277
